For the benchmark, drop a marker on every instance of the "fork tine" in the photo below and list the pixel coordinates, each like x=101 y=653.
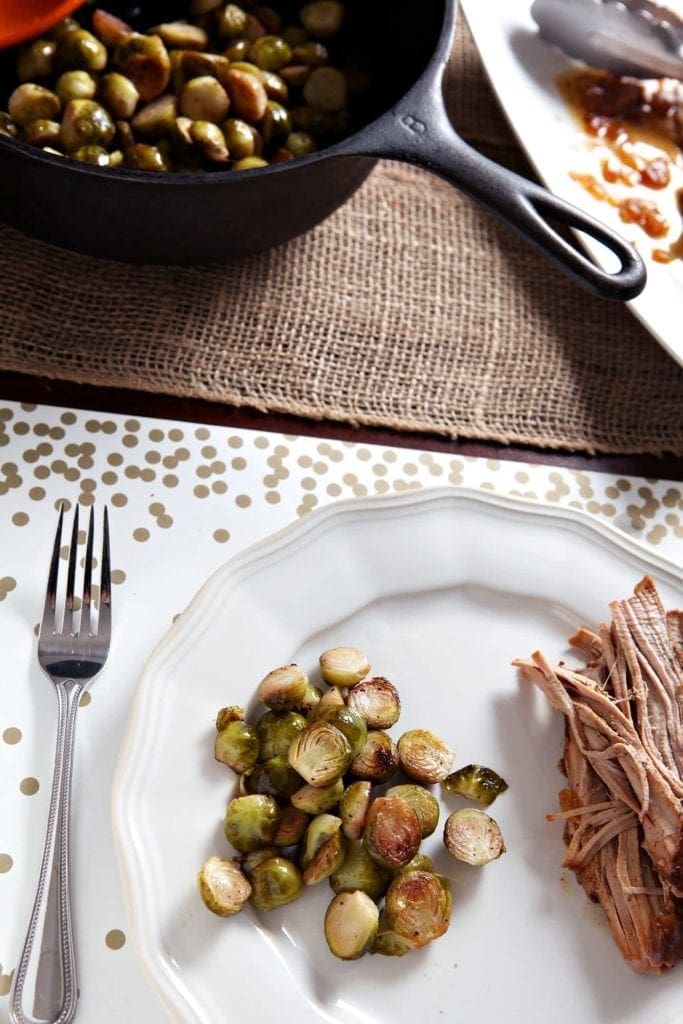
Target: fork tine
x=67 y=625
x=48 y=621
x=85 y=629
x=104 y=620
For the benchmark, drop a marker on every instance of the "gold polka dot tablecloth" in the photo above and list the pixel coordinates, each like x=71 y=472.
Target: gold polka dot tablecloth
x=183 y=499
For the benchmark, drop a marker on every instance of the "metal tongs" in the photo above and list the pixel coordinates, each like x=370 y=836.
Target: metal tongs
x=636 y=38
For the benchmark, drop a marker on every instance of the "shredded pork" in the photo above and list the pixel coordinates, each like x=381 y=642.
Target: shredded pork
x=623 y=758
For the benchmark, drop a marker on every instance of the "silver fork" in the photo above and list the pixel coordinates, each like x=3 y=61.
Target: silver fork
x=45 y=989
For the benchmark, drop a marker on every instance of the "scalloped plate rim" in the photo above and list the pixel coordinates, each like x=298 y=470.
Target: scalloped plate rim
x=140 y=901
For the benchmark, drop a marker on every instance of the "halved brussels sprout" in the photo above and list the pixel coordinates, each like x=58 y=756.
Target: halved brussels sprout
x=424 y=803
x=388 y=943
x=423 y=756
x=377 y=701
x=351 y=924
x=320 y=753
x=418 y=907
x=333 y=698
x=477 y=783
x=343 y=666
x=392 y=832
x=248 y=861
x=237 y=746
x=312 y=698
x=349 y=722
x=323 y=848
x=227 y=715
x=285 y=688
x=251 y=822
x=353 y=807
x=316 y=799
x=327 y=860
x=378 y=760
x=274 y=883
x=275 y=777
x=293 y=825
x=360 y=871
x=420 y=862
x=276 y=730
x=470 y=835
x=223 y=887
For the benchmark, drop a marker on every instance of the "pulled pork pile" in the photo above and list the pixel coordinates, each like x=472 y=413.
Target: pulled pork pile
x=623 y=758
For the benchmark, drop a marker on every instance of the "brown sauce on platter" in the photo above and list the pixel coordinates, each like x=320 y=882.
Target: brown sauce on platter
x=640 y=126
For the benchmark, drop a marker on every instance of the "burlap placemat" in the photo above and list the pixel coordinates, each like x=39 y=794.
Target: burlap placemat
x=409 y=308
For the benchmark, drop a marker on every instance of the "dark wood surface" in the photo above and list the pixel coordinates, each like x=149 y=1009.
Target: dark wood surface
x=20 y=388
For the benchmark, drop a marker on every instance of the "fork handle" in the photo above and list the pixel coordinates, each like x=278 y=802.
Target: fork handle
x=45 y=990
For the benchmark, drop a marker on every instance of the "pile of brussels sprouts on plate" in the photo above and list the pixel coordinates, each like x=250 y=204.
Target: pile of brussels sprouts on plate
x=309 y=809
x=236 y=87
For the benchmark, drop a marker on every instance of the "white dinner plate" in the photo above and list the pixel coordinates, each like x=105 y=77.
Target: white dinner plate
x=442 y=589
x=522 y=69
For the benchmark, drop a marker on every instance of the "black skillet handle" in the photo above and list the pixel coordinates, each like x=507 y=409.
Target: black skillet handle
x=419 y=132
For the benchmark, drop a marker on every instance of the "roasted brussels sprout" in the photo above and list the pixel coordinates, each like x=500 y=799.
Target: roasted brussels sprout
x=322 y=18
x=232 y=21
x=343 y=666
x=477 y=783
x=248 y=861
x=247 y=94
x=360 y=871
x=276 y=730
x=237 y=746
x=424 y=803
x=249 y=163
x=312 y=698
x=274 y=883
x=349 y=722
x=45 y=133
x=270 y=53
x=423 y=756
x=252 y=821
x=284 y=689
x=326 y=90
x=145 y=61
x=223 y=887
x=351 y=924
x=392 y=832
x=80 y=50
x=36 y=60
x=227 y=715
x=420 y=862
x=418 y=907
x=180 y=35
x=388 y=943
x=376 y=701
x=323 y=848
x=353 y=808
x=85 y=123
x=320 y=753
x=31 y=102
x=378 y=760
x=316 y=799
x=333 y=698
x=275 y=777
x=470 y=835
x=293 y=825
x=155 y=119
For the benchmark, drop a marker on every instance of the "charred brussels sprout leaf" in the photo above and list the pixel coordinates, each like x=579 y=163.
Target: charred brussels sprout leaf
x=476 y=783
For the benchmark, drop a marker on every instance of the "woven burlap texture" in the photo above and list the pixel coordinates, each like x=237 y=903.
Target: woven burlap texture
x=410 y=308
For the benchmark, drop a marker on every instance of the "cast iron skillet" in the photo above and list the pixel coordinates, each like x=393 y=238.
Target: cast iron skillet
x=188 y=219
